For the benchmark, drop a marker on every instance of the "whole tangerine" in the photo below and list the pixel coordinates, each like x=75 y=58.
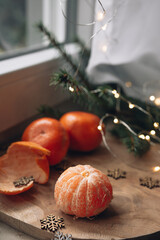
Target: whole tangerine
x=50 y=134
x=83 y=191
x=82 y=128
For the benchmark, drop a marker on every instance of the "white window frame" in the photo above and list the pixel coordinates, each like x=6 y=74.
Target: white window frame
x=24 y=80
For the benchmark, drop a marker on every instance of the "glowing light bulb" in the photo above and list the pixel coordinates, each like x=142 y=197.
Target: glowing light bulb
x=157 y=101
x=71 y=89
x=152 y=98
x=100 y=16
x=147 y=137
x=152 y=132
x=131 y=106
x=116 y=95
x=156 y=124
x=104 y=27
x=99 y=128
x=116 y=120
x=104 y=48
x=156 y=169
x=141 y=136
x=114 y=91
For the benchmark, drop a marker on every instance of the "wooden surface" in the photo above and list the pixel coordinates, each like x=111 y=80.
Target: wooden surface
x=134 y=210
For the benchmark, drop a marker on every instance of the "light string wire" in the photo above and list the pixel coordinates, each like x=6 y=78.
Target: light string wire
x=118 y=121
x=118 y=96
x=102 y=28
x=102 y=6
x=81 y=24
x=89 y=24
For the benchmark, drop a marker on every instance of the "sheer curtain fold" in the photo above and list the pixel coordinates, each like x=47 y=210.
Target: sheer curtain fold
x=127 y=49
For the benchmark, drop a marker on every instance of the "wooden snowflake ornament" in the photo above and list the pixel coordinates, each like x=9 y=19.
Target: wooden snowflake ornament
x=61 y=236
x=52 y=223
x=117 y=173
x=23 y=181
x=149 y=182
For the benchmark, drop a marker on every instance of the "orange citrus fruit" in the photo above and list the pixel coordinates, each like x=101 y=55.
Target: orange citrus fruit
x=83 y=191
x=82 y=128
x=23 y=159
x=50 y=134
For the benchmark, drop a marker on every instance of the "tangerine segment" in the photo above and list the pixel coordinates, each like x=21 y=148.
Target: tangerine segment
x=83 y=191
x=23 y=159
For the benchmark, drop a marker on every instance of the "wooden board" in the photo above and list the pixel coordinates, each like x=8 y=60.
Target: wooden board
x=134 y=210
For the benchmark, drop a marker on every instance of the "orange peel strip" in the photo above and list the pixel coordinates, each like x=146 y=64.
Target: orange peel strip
x=23 y=159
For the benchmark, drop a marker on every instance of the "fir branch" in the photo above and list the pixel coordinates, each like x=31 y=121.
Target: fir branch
x=134 y=143
x=107 y=99
x=66 y=56
x=79 y=92
x=84 y=54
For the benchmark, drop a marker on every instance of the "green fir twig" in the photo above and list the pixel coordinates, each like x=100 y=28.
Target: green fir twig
x=79 y=92
x=62 y=51
x=133 y=143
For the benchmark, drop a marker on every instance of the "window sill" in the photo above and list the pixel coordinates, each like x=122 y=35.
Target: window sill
x=28 y=60
x=32 y=59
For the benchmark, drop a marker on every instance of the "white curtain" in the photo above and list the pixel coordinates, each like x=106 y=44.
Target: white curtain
x=127 y=50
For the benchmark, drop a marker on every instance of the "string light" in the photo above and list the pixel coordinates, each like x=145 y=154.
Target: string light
x=115 y=93
x=104 y=48
x=80 y=24
x=147 y=137
x=100 y=16
x=152 y=132
x=156 y=124
x=116 y=120
x=152 y=98
x=99 y=128
x=157 y=101
x=104 y=27
x=156 y=169
x=131 y=106
x=71 y=89
x=142 y=136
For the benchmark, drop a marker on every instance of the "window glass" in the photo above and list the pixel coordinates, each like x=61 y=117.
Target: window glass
x=18 y=19
x=66 y=19
x=17 y=25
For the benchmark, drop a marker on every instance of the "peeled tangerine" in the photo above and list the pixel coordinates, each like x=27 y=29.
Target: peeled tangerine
x=83 y=191
x=23 y=159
